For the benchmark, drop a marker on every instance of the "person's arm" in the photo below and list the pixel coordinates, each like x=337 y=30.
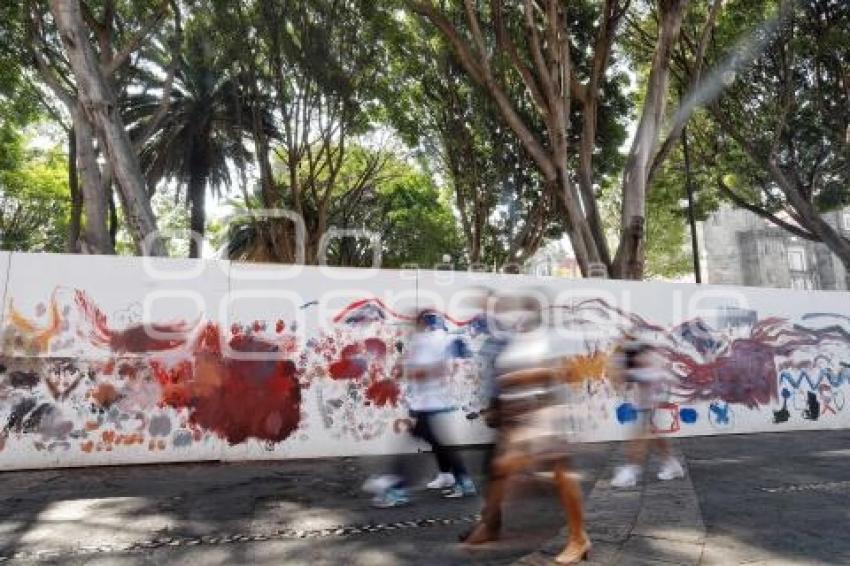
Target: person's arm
x=526 y=377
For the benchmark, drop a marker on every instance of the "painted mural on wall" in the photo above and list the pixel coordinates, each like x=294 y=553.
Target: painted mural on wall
x=166 y=386
x=75 y=379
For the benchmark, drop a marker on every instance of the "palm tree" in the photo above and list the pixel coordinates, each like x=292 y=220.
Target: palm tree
x=200 y=141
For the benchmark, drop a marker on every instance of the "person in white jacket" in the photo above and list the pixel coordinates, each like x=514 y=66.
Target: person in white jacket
x=426 y=366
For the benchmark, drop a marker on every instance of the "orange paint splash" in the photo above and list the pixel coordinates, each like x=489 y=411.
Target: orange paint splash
x=578 y=369
x=38 y=336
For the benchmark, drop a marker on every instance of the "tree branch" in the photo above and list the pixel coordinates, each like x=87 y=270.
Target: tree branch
x=675 y=133
x=135 y=42
x=168 y=87
x=741 y=202
x=477 y=36
x=506 y=44
x=44 y=70
x=526 y=137
x=539 y=61
x=426 y=9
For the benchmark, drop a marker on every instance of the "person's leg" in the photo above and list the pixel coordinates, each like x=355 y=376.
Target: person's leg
x=456 y=463
x=671 y=468
x=491 y=514
x=503 y=467
x=637 y=450
x=662 y=446
x=569 y=491
x=636 y=453
x=449 y=459
x=488 y=528
x=390 y=489
x=424 y=430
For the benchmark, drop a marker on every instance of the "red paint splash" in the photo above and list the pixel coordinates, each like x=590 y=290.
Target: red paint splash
x=237 y=399
x=127 y=370
x=351 y=364
x=745 y=371
x=105 y=395
x=383 y=392
x=378 y=303
x=745 y=375
x=375 y=347
x=135 y=339
x=99 y=331
x=347 y=368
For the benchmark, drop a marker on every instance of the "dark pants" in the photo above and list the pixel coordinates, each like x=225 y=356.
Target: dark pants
x=448 y=460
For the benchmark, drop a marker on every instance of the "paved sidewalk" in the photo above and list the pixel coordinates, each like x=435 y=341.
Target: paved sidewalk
x=765 y=499
x=653 y=523
x=747 y=499
x=291 y=512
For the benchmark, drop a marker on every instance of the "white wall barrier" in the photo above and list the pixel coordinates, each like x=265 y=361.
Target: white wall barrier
x=109 y=360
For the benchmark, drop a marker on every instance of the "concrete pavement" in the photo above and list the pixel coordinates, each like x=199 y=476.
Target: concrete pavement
x=292 y=512
x=754 y=499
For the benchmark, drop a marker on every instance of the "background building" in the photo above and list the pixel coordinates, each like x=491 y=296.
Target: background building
x=740 y=248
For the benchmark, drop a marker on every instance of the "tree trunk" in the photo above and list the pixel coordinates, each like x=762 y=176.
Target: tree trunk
x=99 y=103
x=197 y=214
x=113 y=215
x=585 y=180
x=95 y=238
x=73 y=242
x=810 y=219
x=629 y=261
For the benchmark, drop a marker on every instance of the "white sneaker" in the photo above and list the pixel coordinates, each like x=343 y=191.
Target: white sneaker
x=626 y=476
x=671 y=470
x=377 y=485
x=442 y=481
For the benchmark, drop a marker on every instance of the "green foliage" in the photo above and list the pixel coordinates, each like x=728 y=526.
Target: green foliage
x=403 y=207
x=372 y=68
x=34 y=207
x=791 y=103
x=19 y=99
x=200 y=139
x=415 y=222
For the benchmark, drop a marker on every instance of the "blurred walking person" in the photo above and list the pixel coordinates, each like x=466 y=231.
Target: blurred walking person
x=497 y=338
x=638 y=364
x=426 y=366
x=530 y=434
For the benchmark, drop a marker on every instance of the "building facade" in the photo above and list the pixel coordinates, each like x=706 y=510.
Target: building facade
x=741 y=248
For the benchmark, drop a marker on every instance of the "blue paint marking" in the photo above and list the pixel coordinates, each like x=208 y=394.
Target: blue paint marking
x=626 y=413
x=688 y=415
x=785 y=393
x=721 y=413
x=824 y=374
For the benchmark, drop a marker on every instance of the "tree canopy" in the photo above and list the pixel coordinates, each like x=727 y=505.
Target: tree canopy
x=478 y=130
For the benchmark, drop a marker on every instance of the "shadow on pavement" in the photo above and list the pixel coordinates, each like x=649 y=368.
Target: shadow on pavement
x=211 y=513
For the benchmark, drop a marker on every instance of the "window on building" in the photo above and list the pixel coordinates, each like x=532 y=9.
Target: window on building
x=802 y=283
x=797 y=259
x=845 y=220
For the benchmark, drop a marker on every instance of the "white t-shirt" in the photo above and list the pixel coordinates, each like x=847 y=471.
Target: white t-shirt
x=428 y=353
